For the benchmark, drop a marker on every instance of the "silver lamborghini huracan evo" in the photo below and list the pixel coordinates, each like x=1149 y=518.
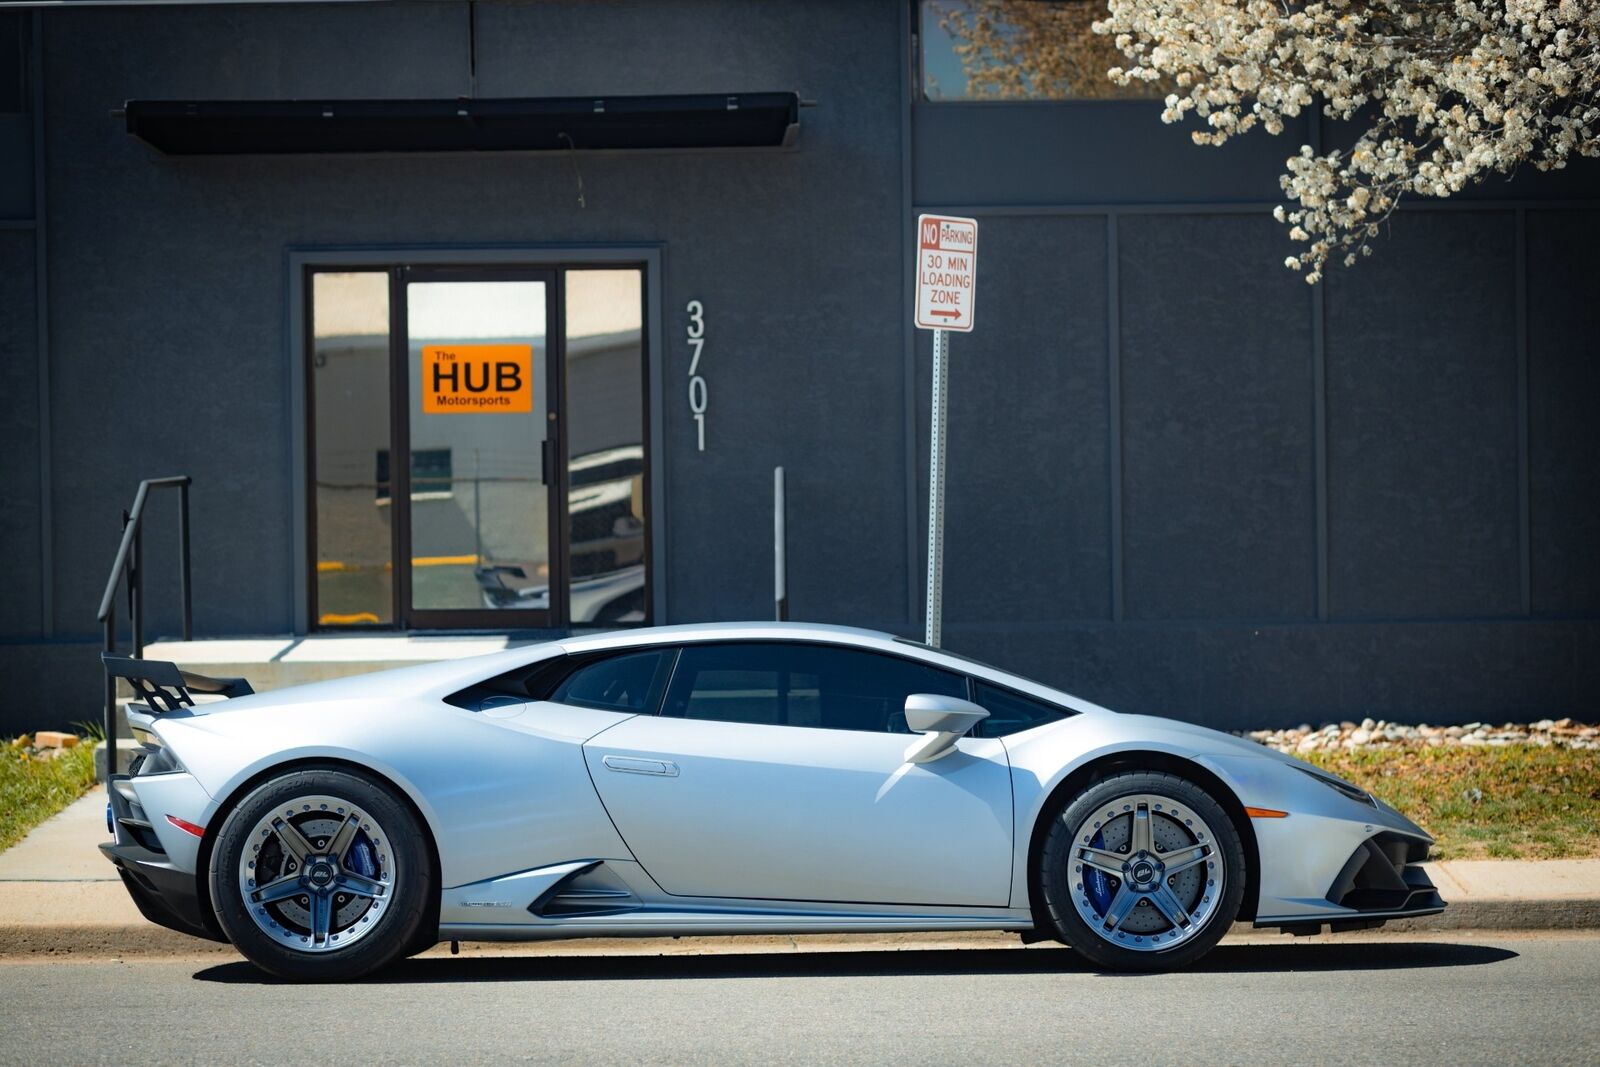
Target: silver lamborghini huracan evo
x=724 y=779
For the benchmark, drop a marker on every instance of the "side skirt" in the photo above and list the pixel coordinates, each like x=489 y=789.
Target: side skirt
x=653 y=923
x=615 y=898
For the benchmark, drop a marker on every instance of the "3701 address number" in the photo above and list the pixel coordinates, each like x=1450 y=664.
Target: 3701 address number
x=695 y=335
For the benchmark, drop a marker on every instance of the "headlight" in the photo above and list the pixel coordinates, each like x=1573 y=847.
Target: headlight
x=1354 y=792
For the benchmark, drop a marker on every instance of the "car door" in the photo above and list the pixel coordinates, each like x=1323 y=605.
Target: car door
x=777 y=770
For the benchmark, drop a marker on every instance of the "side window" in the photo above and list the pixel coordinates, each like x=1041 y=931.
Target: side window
x=1010 y=712
x=630 y=682
x=793 y=684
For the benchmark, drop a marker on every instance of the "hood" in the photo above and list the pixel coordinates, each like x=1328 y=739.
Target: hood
x=1203 y=738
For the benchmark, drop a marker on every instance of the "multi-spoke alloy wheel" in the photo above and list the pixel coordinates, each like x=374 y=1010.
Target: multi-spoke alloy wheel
x=322 y=874
x=1142 y=871
x=1145 y=872
x=318 y=873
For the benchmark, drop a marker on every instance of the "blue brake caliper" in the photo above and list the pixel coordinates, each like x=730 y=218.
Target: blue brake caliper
x=1098 y=883
x=360 y=858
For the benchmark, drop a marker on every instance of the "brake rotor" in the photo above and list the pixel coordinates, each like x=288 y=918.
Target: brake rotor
x=294 y=912
x=1167 y=834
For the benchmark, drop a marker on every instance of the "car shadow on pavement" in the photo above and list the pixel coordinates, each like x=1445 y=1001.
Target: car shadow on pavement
x=1349 y=956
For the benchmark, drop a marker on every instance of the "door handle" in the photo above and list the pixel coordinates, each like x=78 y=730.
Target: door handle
x=634 y=765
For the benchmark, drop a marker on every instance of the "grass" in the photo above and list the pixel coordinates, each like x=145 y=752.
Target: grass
x=1516 y=802
x=33 y=790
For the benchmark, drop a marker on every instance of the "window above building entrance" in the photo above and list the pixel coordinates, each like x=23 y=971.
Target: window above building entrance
x=1009 y=50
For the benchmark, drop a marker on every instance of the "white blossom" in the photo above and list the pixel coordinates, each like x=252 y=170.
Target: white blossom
x=1442 y=92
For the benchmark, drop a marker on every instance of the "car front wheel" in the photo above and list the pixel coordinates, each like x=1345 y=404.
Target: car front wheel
x=1142 y=871
x=321 y=875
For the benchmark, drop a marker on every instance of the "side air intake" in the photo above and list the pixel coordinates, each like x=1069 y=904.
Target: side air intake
x=592 y=891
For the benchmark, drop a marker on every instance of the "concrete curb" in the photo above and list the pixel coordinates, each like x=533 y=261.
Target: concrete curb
x=146 y=940
x=101 y=942
x=1545 y=914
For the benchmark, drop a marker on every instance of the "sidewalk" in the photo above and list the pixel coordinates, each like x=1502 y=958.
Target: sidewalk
x=60 y=896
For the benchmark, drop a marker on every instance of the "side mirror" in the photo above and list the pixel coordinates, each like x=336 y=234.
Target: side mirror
x=942 y=721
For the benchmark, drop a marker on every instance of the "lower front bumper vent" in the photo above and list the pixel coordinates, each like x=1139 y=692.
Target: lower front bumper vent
x=1384 y=876
x=1382 y=880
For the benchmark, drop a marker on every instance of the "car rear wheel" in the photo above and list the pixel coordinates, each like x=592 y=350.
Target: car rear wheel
x=321 y=875
x=1143 y=871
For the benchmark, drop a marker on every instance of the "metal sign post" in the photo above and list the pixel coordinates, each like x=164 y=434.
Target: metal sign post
x=947 y=262
x=780 y=549
x=941 y=388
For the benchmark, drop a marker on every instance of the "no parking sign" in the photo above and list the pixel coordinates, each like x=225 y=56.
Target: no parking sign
x=947 y=264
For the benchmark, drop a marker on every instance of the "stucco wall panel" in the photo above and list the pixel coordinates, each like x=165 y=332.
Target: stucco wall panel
x=1217 y=421
x=1422 y=422
x=1563 y=396
x=1252 y=676
x=20 y=605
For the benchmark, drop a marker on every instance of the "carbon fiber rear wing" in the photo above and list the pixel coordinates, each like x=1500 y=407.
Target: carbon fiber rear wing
x=165 y=687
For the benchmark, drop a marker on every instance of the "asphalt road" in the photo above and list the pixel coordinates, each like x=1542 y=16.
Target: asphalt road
x=1424 y=1000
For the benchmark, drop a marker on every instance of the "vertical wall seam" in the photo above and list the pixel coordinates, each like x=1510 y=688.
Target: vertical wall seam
x=1114 y=403
x=41 y=287
x=655 y=353
x=1319 y=443
x=1524 y=422
x=472 y=48
x=908 y=340
x=1319 y=411
x=302 y=572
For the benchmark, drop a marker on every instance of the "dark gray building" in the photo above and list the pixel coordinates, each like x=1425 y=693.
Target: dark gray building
x=1181 y=480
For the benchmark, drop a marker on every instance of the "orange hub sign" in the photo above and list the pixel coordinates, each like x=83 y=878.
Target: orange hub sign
x=477 y=379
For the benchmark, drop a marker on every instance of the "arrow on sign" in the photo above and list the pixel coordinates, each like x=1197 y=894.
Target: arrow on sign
x=946 y=314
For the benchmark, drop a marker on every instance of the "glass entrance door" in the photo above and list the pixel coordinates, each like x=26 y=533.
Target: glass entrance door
x=477 y=505
x=477 y=446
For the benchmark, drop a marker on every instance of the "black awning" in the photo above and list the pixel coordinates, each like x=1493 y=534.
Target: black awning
x=239 y=127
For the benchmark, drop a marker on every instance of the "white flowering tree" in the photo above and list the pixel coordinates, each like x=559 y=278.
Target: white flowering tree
x=1440 y=93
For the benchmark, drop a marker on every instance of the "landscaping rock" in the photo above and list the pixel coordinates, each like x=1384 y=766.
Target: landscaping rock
x=1370 y=733
x=44 y=745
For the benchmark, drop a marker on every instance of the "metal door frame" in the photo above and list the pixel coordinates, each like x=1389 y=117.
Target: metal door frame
x=300 y=263
x=552 y=458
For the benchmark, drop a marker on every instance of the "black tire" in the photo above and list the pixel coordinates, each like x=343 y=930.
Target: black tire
x=398 y=929
x=1054 y=881
x=427 y=937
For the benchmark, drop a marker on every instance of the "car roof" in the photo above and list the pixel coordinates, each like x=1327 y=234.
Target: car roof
x=731 y=631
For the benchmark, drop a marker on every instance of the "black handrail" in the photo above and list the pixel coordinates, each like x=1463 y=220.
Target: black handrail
x=130 y=563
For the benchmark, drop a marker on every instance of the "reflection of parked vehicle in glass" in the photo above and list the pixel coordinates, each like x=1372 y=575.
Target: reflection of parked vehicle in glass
x=605 y=502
